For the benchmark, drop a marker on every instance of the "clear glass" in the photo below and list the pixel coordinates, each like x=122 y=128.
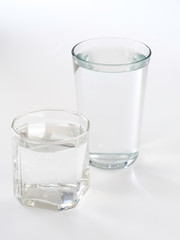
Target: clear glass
x=50 y=158
x=110 y=77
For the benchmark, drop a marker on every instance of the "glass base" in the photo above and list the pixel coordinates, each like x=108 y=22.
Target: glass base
x=112 y=161
x=52 y=197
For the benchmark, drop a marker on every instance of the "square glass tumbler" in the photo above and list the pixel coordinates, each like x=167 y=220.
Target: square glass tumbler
x=50 y=158
x=110 y=78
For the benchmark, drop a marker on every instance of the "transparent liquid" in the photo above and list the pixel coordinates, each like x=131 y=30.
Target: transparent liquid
x=113 y=103
x=49 y=175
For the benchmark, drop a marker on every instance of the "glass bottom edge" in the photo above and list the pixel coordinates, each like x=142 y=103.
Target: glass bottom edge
x=112 y=161
x=46 y=205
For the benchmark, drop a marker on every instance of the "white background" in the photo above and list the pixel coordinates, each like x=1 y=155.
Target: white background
x=36 y=37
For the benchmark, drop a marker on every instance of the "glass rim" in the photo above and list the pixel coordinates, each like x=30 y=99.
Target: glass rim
x=110 y=64
x=46 y=141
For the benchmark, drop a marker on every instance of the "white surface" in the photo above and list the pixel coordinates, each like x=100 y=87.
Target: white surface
x=141 y=202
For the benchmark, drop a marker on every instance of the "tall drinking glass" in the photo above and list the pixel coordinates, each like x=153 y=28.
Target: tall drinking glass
x=110 y=75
